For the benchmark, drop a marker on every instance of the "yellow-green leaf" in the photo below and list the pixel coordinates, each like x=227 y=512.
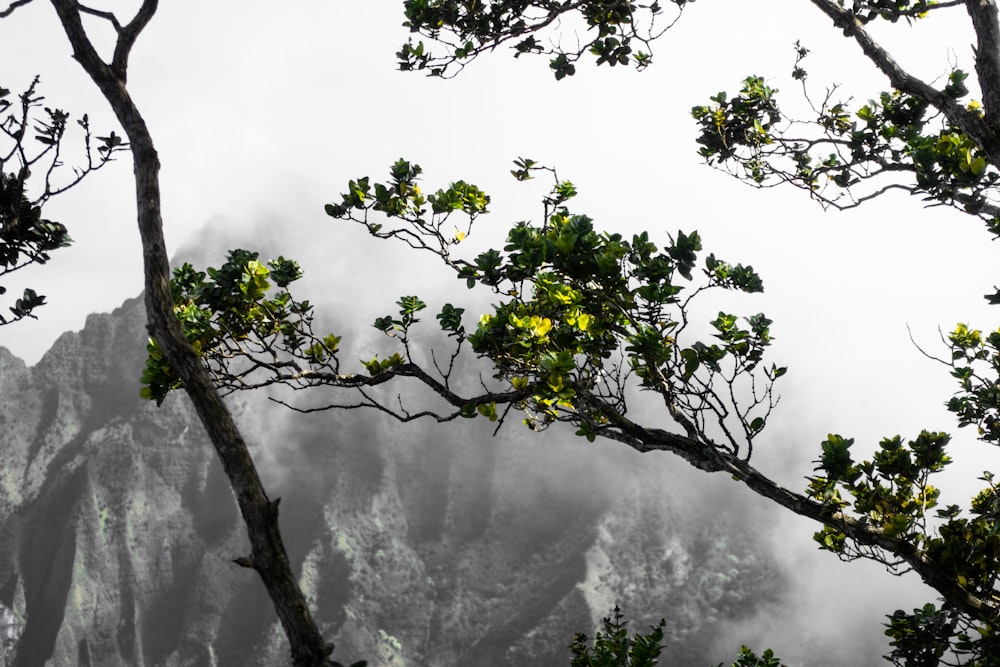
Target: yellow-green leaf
x=540 y=326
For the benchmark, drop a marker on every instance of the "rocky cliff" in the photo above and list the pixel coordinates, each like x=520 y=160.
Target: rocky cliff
x=419 y=545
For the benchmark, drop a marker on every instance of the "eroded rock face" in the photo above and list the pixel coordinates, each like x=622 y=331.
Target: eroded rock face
x=418 y=545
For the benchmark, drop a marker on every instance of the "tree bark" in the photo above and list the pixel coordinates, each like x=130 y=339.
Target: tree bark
x=268 y=556
x=983 y=14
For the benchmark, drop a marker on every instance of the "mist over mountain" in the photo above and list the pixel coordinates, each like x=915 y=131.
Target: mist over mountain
x=418 y=544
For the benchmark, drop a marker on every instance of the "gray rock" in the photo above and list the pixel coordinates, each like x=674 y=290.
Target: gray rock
x=418 y=545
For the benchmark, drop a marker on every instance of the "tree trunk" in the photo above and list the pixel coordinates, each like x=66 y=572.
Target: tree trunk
x=260 y=514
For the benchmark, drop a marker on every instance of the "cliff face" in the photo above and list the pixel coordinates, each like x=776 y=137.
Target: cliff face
x=419 y=545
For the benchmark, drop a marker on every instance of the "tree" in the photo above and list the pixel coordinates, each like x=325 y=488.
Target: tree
x=563 y=347
x=110 y=75
x=614 y=647
x=585 y=318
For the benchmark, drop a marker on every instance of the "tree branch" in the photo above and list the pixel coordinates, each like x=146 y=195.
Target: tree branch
x=127 y=37
x=705 y=456
x=976 y=127
x=700 y=452
x=107 y=16
x=14 y=5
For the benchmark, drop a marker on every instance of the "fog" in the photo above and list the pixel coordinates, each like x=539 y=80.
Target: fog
x=824 y=600
x=262 y=121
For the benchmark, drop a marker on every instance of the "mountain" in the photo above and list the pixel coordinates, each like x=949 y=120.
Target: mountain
x=420 y=545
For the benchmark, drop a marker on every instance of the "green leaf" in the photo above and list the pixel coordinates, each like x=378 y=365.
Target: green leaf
x=488 y=410
x=691 y=362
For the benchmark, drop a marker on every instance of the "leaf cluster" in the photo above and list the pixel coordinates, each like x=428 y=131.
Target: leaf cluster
x=582 y=310
x=613 y=33
x=583 y=298
x=748 y=658
x=891 y=492
x=401 y=197
x=728 y=127
x=580 y=313
x=614 y=647
x=975 y=364
x=867 y=11
x=25 y=238
x=930 y=635
x=847 y=156
x=230 y=311
x=31 y=144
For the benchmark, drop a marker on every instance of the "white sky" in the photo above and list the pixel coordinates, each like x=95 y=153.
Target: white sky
x=263 y=111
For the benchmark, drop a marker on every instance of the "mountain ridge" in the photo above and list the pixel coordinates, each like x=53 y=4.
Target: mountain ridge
x=429 y=545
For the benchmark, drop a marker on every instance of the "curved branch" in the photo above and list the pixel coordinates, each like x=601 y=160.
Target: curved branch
x=707 y=457
x=14 y=5
x=866 y=535
x=698 y=450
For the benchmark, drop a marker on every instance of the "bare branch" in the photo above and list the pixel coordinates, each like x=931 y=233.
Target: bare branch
x=107 y=16
x=925 y=353
x=127 y=37
x=14 y=5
